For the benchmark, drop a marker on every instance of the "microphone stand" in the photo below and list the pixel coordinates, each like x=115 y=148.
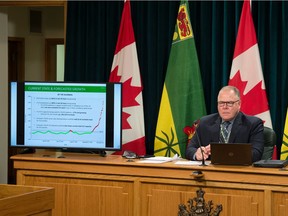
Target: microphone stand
x=203 y=160
x=198 y=139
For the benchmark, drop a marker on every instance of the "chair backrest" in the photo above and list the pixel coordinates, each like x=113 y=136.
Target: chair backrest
x=269 y=143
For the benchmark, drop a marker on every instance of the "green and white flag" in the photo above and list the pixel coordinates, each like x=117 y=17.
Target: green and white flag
x=182 y=99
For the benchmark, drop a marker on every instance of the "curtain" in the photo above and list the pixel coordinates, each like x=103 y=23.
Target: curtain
x=92 y=31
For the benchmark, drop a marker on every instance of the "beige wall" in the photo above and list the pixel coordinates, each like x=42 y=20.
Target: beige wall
x=52 y=26
x=14 y=22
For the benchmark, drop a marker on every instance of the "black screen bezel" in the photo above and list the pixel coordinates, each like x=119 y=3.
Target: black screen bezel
x=109 y=118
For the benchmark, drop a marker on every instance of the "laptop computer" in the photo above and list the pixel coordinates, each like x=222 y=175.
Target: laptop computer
x=231 y=153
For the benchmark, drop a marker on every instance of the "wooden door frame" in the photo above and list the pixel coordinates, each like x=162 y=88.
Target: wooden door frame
x=50 y=44
x=20 y=56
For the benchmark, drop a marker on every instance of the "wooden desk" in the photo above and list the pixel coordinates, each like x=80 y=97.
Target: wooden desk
x=87 y=184
x=26 y=200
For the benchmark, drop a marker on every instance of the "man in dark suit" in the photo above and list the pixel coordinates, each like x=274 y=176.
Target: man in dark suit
x=228 y=125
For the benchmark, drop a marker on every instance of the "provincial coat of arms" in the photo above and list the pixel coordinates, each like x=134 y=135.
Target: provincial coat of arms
x=198 y=207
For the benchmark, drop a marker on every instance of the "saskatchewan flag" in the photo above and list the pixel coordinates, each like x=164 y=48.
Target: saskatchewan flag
x=284 y=147
x=182 y=99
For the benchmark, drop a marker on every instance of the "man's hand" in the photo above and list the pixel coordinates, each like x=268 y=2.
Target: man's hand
x=206 y=152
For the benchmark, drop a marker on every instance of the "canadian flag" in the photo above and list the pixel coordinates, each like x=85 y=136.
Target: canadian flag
x=246 y=72
x=125 y=69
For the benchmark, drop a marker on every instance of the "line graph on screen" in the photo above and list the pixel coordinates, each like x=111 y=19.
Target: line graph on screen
x=65 y=118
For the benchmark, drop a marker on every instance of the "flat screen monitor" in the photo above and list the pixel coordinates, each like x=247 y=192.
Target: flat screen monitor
x=63 y=115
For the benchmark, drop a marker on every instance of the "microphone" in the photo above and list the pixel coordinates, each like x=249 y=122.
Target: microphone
x=199 y=142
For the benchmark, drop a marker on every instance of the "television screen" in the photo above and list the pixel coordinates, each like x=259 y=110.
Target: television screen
x=64 y=115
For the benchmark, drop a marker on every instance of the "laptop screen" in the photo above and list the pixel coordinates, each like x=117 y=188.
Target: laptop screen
x=231 y=153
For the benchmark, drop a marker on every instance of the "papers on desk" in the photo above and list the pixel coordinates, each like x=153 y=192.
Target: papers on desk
x=158 y=159
x=187 y=162
x=176 y=158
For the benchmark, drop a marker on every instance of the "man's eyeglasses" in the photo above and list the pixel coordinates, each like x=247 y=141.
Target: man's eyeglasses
x=227 y=103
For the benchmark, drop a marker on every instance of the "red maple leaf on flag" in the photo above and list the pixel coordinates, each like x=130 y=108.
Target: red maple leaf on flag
x=113 y=76
x=252 y=103
x=129 y=93
x=125 y=124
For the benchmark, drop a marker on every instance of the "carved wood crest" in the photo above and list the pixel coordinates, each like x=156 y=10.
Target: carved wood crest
x=197 y=206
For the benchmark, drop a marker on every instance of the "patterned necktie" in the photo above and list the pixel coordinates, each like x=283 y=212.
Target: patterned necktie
x=224 y=131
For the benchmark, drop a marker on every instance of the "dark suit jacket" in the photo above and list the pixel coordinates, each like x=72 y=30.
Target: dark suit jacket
x=245 y=129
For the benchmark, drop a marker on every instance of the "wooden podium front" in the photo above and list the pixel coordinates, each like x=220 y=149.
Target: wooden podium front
x=87 y=184
x=26 y=200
